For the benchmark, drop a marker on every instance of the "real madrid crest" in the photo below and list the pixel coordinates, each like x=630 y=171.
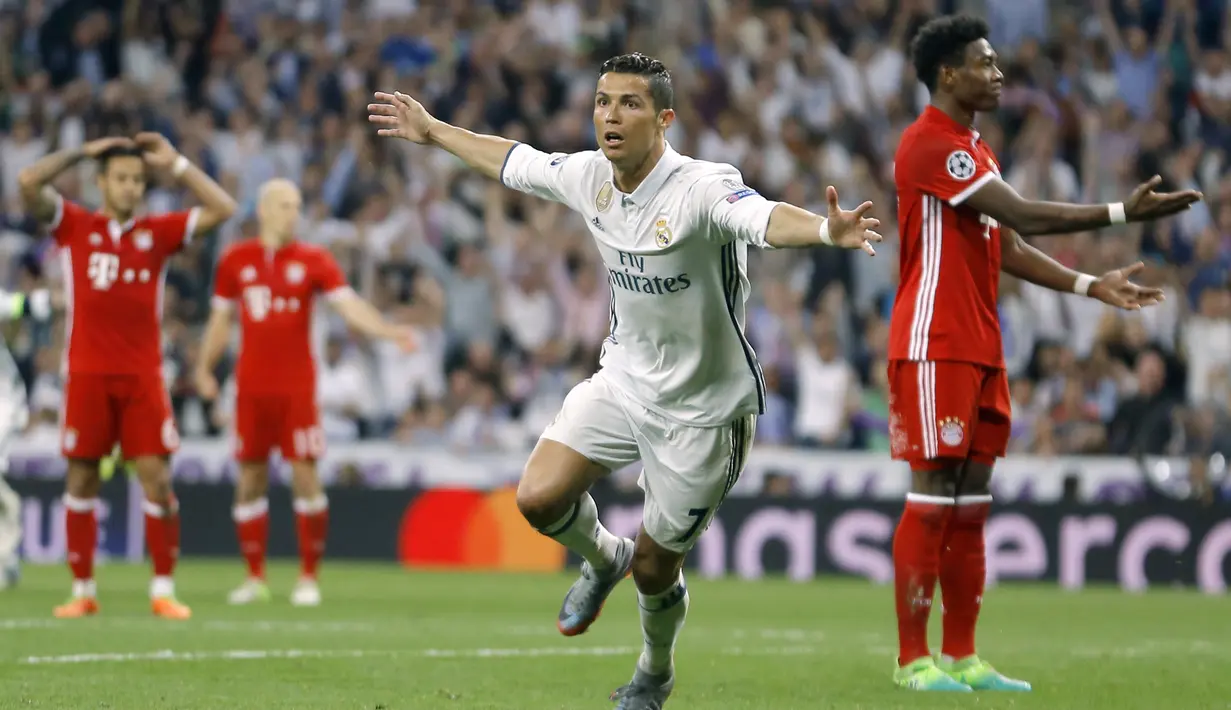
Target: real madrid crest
x=662 y=233
x=143 y=239
x=602 y=202
x=294 y=273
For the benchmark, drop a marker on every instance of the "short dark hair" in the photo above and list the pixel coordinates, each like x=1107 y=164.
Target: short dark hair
x=942 y=42
x=654 y=71
x=119 y=151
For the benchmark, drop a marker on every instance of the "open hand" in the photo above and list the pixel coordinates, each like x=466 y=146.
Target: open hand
x=157 y=150
x=400 y=116
x=95 y=148
x=1115 y=289
x=851 y=229
x=207 y=385
x=1145 y=204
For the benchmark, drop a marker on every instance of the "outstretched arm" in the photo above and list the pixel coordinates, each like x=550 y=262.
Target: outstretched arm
x=400 y=116
x=364 y=318
x=1027 y=263
x=792 y=227
x=736 y=211
x=998 y=200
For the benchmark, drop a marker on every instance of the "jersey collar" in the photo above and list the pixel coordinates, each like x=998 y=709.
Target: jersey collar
x=117 y=229
x=937 y=116
x=667 y=164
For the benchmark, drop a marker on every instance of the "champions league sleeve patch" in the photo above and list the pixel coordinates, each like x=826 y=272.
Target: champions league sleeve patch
x=741 y=194
x=961 y=165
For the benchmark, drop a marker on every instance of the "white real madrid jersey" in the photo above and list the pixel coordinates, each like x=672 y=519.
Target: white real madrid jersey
x=675 y=252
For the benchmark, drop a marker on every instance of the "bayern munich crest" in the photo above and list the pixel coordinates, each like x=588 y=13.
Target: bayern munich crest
x=952 y=431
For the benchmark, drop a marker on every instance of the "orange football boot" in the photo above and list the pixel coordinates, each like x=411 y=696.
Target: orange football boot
x=76 y=608
x=170 y=608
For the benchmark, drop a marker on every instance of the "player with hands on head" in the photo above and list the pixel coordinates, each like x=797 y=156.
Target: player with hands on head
x=679 y=387
x=273 y=282
x=961 y=226
x=114 y=261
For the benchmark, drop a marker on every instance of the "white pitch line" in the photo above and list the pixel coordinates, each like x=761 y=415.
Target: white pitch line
x=215 y=625
x=438 y=653
x=269 y=654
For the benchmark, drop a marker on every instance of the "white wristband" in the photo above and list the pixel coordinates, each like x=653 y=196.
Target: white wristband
x=1115 y=211
x=1082 y=285
x=825 y=239
x=180 y=166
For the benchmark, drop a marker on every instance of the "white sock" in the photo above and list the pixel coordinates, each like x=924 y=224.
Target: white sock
x=162 y=587
x=662 y=618
x=84 y=589
x=580 y=531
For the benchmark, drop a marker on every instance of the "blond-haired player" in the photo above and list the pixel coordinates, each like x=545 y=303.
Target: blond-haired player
x=273 y=281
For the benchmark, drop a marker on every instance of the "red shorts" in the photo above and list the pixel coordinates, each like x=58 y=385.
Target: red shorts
x=947 y=410
x=286 y=421
x=101 y=410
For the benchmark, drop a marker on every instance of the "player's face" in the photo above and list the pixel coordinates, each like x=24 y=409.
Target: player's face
x=280 y=213
x=978 y=83
x=625 y=123
x=123 y=184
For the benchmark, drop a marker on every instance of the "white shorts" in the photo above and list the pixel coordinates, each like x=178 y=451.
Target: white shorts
x=686 y=471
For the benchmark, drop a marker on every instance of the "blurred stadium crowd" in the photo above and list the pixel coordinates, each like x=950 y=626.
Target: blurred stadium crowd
x=507 y=292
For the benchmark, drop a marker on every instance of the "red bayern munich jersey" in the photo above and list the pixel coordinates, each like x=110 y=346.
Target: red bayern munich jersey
x=949 y=257
x=114 y=275
x=276 y=291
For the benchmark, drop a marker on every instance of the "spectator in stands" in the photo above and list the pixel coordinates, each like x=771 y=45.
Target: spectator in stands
x=827 y=388
x=342 y=391
x=509 y=299
x=1143 y=423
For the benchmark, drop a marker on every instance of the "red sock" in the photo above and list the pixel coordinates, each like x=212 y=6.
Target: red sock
x=916 y=563
x=252 y=528
x=312 y=524
x=162 y=536
x=81 y=532
x=963 y=570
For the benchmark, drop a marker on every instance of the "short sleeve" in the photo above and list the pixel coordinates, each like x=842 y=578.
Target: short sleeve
x=552 y=176
x=948 y=169
x=67 y=221
x=226 y=281
x=329 y=279
x=174 y=230
x=733 y=210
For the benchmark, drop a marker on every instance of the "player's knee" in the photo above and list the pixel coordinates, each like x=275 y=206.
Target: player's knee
x=541 y=505
x=252 y=483
x=936 y=477
x=654 y=567
x=976 y=477
x=305 y=483
x=155 y=477
x=82 y=479
x=555 y=477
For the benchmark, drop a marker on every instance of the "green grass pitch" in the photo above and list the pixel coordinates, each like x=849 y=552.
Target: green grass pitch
x=390 y=639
